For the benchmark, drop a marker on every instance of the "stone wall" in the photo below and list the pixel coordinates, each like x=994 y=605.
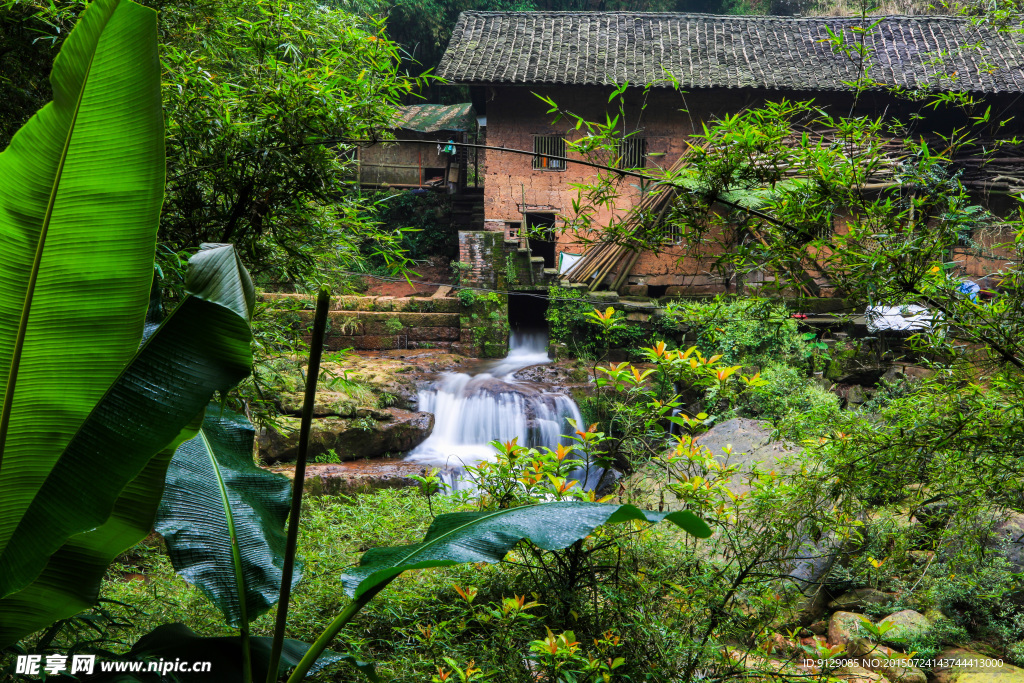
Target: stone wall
x=473 y=323
x=493 y=262
x=477 y=251
x=375 y=323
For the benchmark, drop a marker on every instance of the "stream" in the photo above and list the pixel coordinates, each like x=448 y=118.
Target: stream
x=472 y=409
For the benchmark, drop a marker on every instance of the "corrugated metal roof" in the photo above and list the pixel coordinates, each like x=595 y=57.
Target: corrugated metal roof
x=428 y=118
x=712 y=51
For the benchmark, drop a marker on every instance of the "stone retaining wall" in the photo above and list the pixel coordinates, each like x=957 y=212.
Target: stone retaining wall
x=411 y=304
x=474 y=325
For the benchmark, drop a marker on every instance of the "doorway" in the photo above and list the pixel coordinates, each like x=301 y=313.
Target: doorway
x=542 y=236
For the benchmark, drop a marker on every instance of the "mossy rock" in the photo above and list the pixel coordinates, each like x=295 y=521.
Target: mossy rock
x=493 y=349
x=429 y=319
x=844 y=627
x=354 y=478
x=860 y=599
x=350 y=439
x=968 y=666
x=327 y=404
x=906 y=626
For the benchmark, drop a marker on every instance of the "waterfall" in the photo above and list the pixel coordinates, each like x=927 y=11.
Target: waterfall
x=472 y=410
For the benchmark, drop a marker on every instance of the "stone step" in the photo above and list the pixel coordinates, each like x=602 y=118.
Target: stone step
x=342 y=320
x=299 y=302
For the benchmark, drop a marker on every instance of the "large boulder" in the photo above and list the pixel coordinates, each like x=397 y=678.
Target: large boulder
x=1001 y=531
x=349 y=439
x=905 y=626
x=1007 y=538
x=860 y=599
x=751 y=446
x=747 y=444
x=808 y=567
x=843 y=628
x=327 y=404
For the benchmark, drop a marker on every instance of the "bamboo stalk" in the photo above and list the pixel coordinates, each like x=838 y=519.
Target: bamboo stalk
x=316 y=349
x=627 y=268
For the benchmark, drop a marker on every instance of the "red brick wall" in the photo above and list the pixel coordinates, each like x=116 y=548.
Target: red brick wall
x=515 y=115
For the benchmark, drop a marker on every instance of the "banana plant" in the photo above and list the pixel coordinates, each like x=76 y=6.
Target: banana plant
x=89 y=417
x=170 y=642
x=222 y=518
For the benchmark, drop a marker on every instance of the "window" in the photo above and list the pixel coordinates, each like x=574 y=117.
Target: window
x=632 y=153
x=545 y=147
x=675 y=233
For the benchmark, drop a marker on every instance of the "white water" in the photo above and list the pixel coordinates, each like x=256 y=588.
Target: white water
x=472 y=410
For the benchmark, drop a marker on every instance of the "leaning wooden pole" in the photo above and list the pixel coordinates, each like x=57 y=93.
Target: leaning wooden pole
x=316 y=350
x=626 y=270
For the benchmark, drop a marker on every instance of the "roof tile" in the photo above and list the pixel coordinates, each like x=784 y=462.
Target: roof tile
x=707 y=51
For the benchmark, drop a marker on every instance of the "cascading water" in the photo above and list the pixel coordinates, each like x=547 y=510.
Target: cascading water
x=472 y=410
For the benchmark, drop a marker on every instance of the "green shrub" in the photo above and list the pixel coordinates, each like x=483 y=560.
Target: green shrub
x=974 y=594
x=788 y=393
x=570 y=323
x=429 y=216
x=745 y=331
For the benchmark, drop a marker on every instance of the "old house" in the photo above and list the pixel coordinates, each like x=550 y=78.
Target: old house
x=721 y=65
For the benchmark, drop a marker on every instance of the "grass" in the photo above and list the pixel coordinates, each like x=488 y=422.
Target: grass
x=392 y=631
x=649 y=595
x=333 y=534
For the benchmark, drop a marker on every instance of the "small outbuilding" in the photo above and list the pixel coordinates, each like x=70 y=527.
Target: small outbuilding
x=432 y=163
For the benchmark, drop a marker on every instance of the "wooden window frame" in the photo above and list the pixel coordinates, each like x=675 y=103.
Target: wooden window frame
x=545 y=147
x=627 y=153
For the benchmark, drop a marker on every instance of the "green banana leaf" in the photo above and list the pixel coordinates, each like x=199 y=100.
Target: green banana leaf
x=176 y=641
x=71 y=579
x=223 y=518
x=117 y=461
x=462 y=537
x=80 y=196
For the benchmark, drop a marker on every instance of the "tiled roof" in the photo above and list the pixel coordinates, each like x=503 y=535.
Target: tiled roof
x=709 y=51
x=427 y=118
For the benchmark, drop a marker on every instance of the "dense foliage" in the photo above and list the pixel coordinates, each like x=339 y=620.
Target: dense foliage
x=907 y=494
x=250 y=94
